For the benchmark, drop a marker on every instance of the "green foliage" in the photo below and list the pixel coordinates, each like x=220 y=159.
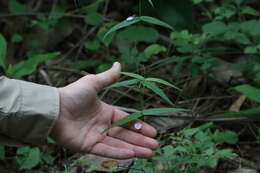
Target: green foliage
x=30 y=157
x=16 y=7
x=154 y=49
x=134 y=116
x=149 y=83
x=251 y=92
x=94 y=19
x=145 y=34
x=132 y=20
x=28 y=66
x=3 y=49
x=27 y=158
x=194 y=149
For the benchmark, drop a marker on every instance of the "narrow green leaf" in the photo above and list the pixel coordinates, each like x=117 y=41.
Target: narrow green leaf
x=158 y=111
x=3 y=49
x=251 y=92
x=151 y=2
x=125 y=120
x=133 y=75
x=152 y=86
x=253 y=113
x=121 y=25
x=162 y=82
x=155 y=21
x=123 y=83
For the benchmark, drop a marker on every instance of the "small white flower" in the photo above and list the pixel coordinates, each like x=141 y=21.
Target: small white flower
x=138 y=126
x=130 y=18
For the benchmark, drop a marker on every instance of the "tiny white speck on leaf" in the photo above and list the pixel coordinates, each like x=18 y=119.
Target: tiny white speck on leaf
x=130 y=18
x=138 y=126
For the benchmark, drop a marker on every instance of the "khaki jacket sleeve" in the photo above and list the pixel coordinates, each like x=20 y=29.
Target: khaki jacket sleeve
x=28 y=112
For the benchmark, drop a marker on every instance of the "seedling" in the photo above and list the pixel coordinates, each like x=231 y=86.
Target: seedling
x=151 y=84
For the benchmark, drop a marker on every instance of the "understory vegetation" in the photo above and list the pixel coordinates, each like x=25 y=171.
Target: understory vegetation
x=191 y=69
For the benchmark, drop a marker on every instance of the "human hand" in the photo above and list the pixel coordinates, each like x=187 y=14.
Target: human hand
x=83 y=117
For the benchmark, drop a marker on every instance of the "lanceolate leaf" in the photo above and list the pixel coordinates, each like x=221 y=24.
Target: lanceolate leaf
x=133 y=20
x=251 y=92
x=3 y=49
x=125 y=120
x=152 y=86
x=151 y=2
x=253 y=113
x=162 y=82
x=133 y=75
x=124 y=83
x=123 y=24
x=159 y=111
x=155 y=21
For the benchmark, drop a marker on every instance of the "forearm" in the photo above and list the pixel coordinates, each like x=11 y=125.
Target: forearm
x=28 y=111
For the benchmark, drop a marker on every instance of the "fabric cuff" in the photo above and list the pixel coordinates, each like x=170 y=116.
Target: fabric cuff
x=38 y=111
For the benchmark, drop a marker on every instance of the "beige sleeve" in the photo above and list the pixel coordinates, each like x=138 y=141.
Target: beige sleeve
x=28 y=112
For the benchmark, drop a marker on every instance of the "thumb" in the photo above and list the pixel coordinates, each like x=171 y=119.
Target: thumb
x=110 y=76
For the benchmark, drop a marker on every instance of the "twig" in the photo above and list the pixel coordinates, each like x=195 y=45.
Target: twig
x=45 y=77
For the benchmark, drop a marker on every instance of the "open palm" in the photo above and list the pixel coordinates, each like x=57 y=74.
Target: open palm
x=83 y=118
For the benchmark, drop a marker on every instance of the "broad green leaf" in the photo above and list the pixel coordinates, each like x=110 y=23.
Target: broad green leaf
x=92 y=44
x=93 y=19
x=30 y=160
x=225 y=153
x=3 y=49
x=193 y=131
x=133 y=75
x=29 y=66
x=155 y=21
x=16 y=7
x=125 y=120
x=251 y=27
x=152 y=86
x=159 y=111
x=138 y=34
x=162 y=82
x=123 y=24
x=227 y=136
x=154 y=49
x=251 y=11
x=46 y=158
x=251 y=92
x=17 y=38
x=124 y=83
x=215 y=28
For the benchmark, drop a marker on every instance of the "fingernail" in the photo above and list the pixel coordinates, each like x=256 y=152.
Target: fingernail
x=116 y=63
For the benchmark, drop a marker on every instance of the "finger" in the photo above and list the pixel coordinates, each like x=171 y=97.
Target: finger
x=146 y=129
x=110 y=76
x=105 y=150
x=133 y=138
x=139 y=151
